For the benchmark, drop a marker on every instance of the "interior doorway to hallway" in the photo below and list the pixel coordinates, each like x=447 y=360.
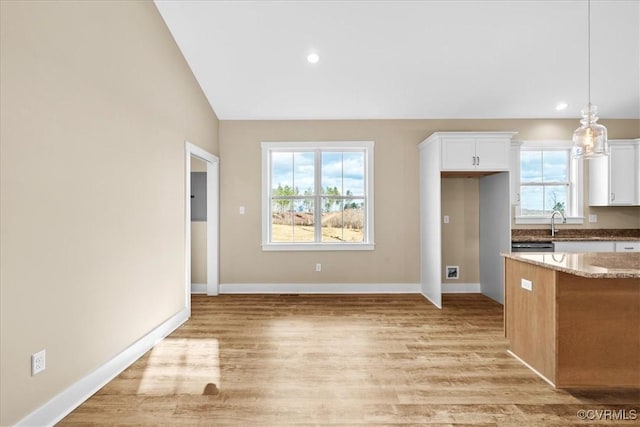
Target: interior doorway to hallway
x=201 y=222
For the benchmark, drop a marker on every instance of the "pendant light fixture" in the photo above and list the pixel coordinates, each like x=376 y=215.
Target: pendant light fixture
x=590 y=139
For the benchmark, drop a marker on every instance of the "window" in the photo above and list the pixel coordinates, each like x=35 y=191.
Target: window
x=317 y=196
x=548 y=180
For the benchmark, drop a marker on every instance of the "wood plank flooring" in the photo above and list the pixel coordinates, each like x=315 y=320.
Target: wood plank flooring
x=344 y=360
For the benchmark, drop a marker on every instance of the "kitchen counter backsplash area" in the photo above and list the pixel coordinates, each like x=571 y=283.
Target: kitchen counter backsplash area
x=568 y=234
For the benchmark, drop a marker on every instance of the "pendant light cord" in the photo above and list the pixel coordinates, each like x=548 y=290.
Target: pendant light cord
x=589 y=53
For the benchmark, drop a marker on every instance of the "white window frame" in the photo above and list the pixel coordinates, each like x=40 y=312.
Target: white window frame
x=576 y=188
x=368 y=238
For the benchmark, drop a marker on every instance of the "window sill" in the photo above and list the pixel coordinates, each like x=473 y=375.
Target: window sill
x=547 y=220
x=318 y=246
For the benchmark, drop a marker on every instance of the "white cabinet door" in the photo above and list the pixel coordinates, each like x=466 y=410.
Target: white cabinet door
x=627 y=246
x=458 y=154
x=584 y=246
x=468 y=154
x=623 y=178
x=492 y=154
x=599 y=181
x=615 y=180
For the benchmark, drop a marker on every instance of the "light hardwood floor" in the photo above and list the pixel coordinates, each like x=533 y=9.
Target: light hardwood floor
x=339 y=359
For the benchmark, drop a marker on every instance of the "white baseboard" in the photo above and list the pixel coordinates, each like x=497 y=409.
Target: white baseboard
x=319 y=288
x=460 y=288
x=61 y=405
x=198 y=288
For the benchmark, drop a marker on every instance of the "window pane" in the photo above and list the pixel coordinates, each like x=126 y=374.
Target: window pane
x=353 y=174
x=530 y=166
x=292 y=221
x=555 y=198
x=342 y=220
x=555 y=166
x=332 y=220
x=304 y=227
x=303 y=178
x=281 y=221
x=353 y=220
x=281 y=171
x=331 y=173
x=531 y=200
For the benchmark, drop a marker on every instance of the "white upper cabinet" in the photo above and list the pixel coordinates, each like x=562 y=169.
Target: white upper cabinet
x=471 y=151
x=615 y=180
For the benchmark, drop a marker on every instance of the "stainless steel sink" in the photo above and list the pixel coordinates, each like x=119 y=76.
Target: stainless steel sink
x=532 y=247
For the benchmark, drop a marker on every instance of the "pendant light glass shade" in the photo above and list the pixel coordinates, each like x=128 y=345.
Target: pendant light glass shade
x=590 y=139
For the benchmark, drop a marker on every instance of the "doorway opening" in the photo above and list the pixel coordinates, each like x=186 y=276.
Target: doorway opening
x=201 y=222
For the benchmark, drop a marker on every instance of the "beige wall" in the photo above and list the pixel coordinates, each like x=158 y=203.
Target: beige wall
x=461 y=237
x=96 y=103
x=395 y=259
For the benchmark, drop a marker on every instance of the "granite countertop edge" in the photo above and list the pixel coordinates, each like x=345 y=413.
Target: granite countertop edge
x=573 y=239
x=620 y=274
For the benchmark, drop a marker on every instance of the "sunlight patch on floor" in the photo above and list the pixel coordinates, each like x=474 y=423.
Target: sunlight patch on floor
x=182 y=366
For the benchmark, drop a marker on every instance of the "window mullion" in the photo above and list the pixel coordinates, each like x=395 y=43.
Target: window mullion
x=317 y=211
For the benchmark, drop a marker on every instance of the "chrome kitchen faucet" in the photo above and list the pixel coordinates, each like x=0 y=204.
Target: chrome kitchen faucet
x=553 y=223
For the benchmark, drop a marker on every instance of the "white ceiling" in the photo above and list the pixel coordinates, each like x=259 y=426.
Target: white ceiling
x=410 y=59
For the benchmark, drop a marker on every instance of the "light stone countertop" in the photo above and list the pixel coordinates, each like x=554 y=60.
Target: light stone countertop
x=610 y=265
x=579 y=234
x=564 y=238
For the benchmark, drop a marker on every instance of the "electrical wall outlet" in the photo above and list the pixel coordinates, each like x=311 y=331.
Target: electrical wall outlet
x=526 y=284
x=318 y=267
x=446 y=219
x=38 y=362
x=593 y=218
x=241 y=210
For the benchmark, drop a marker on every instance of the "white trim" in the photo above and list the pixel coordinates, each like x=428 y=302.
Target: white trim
x=461 y=288
x=467 y=134
x=547 y=220
x=319 y=288
x=532 y=368
x=318 y=247
x=314 y=145
x=268 y=147
x=213 y=221
x=61 y=405
x=198 y=288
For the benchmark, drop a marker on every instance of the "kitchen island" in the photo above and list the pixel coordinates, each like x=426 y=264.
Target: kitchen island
x=574 y=318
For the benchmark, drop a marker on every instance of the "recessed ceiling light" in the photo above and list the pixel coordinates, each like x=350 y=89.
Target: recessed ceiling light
x=561 y=106
x=313 y=58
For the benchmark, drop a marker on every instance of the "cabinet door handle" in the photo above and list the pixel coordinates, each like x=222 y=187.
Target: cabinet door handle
x=474 y=160
x=478 y=160
x=613 y=196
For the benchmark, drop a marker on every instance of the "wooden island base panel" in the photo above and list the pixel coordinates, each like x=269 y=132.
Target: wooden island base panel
x=574 y=318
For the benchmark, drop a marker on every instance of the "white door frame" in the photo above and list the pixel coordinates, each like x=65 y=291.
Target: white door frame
x=213 y=194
